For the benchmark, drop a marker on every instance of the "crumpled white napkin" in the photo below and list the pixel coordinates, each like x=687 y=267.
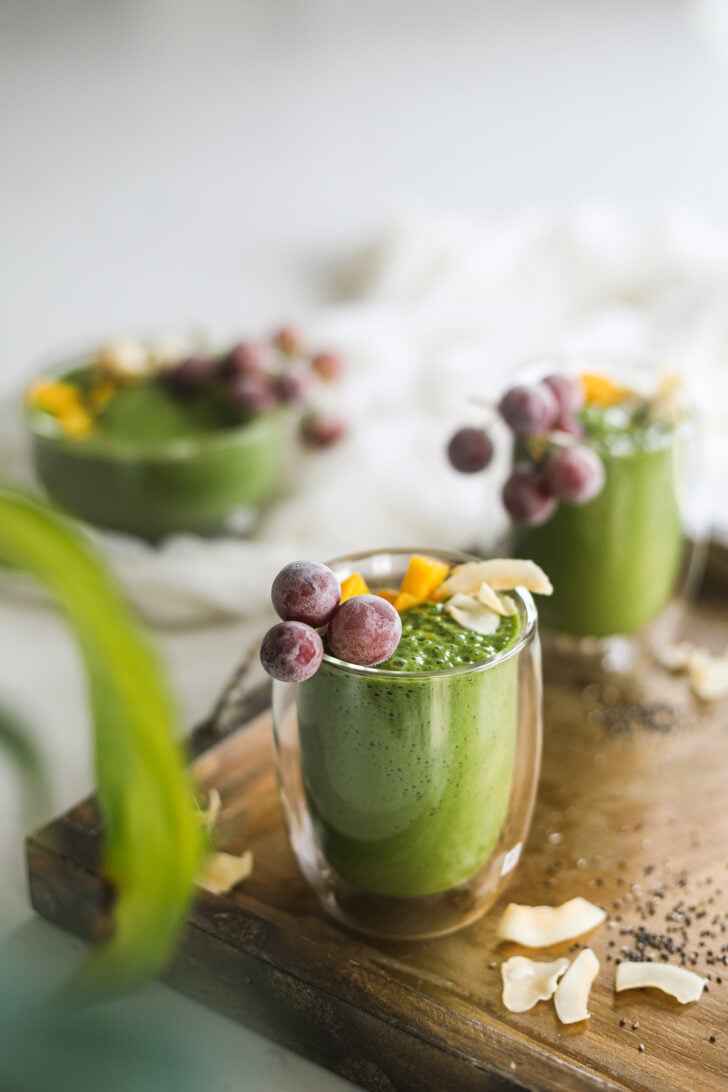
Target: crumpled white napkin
x=440 y=309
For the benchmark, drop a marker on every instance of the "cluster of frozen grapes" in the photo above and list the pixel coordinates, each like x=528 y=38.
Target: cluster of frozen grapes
x=255 y=377
x=364 y=630
x=554 y=465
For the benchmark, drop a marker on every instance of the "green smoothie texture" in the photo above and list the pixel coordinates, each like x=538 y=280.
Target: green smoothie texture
x=614 y=561
x=408 y=775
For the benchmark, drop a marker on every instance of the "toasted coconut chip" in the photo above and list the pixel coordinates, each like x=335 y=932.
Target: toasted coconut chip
x=683 y=984
x=665 y=404
x=541 y=926
x=674 y=657
x=526 y=982
x=501 y=573
x=572 y=994
x=123 y=359
x=501 y=604
x=472 y=615
x=708 y=675
x=222 y=871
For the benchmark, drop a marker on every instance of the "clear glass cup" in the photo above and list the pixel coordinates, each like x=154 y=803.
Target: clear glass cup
x=629 y=557
x=408 y=795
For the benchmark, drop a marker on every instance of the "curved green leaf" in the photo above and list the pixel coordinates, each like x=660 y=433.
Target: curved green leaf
x=153 y=838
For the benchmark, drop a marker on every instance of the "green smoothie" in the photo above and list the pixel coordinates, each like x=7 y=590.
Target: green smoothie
x=614 y=561
x=408 y=773
x=156 y=465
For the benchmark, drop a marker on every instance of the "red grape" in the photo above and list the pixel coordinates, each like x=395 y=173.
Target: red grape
x=318 y=430
x=568 y=392
x=289 y=340
x=570 y=426
x=190 y=377
x=306 y=591
x=327 y=366
x=291 y=651
x=364 y=630
x=575 y=474
x=292 y=385
x=252 y=394
x=526 y=496
x=470 y=450
x=529 y=410
x=241 y=362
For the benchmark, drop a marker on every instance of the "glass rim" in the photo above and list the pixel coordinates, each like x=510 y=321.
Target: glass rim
x=527 y=613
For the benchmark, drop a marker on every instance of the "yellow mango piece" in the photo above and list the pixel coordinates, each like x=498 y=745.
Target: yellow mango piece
x=53 y=396
x=424 y=575
x=77 y=422
x=404 y=601
x=389 y=594
x=353 y=585
x=600 y=391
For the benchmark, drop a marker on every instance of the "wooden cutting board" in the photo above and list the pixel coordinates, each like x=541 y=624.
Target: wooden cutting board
x=632 y=813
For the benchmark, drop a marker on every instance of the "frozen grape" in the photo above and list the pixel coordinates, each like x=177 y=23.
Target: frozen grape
x=470 y=450
x=327 y=366
x=567 y=391
x=318 y=430
x=364 y=630
x=190 y=377
x=289 y=340
x=292 y=385
x=575 y=474
x=291 y=651
x=252 y=394
x=526 y=496
x=529 y=409
x=241 y=362
x=570 y=426
x=306 y=591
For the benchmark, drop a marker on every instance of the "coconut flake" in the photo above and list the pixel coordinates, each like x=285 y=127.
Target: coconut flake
x=542 y=926
x=526 y=982
x=665 y=404
x=222 y=871
x=682 y=984
x=708 y=675
x=472 y=615
x=501 y=604
x=674 y=657
x=572 y=994
x=501 y=573
x=125 y=358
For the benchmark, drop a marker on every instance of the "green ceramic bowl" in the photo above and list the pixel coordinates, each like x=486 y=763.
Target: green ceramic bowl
x=160 y=468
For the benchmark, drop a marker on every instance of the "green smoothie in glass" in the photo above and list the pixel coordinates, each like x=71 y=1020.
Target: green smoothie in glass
x=407 y=723
x=614 y=561
x=408 y=773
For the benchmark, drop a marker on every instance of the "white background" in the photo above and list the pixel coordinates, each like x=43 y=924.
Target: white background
x=162 y=162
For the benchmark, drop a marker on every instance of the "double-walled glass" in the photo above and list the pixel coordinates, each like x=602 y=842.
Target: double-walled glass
x=408 y=794
x=619 y=560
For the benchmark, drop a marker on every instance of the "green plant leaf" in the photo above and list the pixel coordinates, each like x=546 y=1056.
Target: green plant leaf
x=153 y=838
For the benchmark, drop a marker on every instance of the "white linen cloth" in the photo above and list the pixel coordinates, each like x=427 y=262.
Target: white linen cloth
x=440 y=309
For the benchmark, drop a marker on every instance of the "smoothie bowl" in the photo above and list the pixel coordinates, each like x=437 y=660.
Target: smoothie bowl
x=600 y=492
x=150 y=442
x=408 y=784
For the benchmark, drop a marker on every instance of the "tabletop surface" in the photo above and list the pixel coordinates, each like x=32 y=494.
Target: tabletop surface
x=168 y=163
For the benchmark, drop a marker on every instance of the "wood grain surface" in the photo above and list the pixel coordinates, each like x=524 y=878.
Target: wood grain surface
x=631 y=814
